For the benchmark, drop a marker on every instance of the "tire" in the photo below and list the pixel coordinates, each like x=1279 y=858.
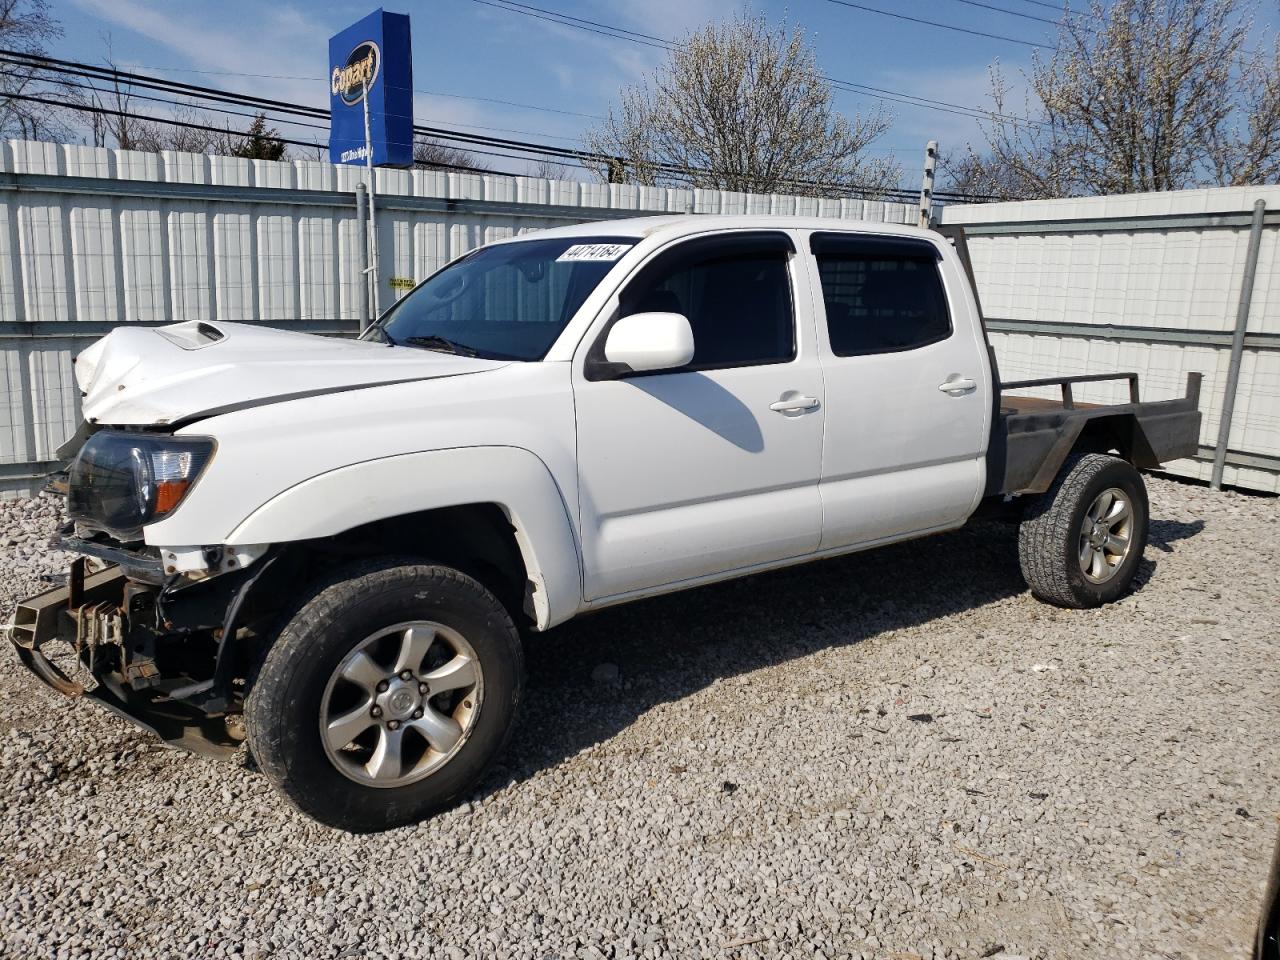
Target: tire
x=340 y=653
x=1066 y=529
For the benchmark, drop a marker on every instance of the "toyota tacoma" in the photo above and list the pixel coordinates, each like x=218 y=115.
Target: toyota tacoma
x=333 y=548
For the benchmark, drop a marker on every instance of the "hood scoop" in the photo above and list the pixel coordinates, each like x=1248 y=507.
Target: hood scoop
x=192 y=335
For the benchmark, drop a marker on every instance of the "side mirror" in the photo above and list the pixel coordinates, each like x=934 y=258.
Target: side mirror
x=645 y=342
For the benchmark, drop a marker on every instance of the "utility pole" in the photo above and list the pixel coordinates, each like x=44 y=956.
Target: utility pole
x=926 y=189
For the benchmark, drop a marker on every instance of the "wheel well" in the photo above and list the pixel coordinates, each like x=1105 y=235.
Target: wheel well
x=1121 y=434
x=476 y=538
x=1100 y=436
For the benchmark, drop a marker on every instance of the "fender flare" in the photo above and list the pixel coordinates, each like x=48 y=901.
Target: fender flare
x=1124 y=428
x=515 y=479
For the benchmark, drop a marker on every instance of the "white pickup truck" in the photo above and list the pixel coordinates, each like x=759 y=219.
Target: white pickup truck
x=332 y=547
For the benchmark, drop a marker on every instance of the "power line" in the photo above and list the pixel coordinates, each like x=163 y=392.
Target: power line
x=582 y=25
x=1012 y=13
x=935 y=23
x=74 y=68
x=71 y=67
x=430 y=93
x=1059 y=7
x=187 y=124
x=541 y=13
x=315 y=145
x=472 y=140
x=510 y=103
x=170 y=102
x=238 y=113
x=263 y=105
x=594 y=23
x=879 y=93
x=190 y=125
x=959 y=109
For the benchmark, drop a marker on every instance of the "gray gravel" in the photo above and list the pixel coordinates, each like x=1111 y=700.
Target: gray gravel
x=891 y=755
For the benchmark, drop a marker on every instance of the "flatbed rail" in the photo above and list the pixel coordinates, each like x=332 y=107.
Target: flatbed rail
x=1068 y=400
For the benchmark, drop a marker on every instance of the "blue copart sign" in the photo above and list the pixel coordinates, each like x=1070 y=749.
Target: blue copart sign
x=372 y=58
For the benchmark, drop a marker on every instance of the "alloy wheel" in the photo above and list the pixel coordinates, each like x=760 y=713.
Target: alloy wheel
x=1106 y=535
x=401 y=704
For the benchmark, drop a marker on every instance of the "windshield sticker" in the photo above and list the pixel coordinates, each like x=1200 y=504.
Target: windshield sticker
x=593 y=251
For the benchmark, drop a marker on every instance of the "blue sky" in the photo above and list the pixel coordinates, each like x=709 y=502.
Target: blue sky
x=465 y=49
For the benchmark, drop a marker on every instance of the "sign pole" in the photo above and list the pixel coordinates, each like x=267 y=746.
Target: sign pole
x=362 y=252
x=371 y=109
x=373 y=224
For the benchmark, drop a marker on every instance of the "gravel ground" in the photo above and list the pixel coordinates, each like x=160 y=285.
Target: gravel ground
x=893 y=755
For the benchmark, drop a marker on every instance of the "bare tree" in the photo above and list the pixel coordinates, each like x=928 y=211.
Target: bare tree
x=1162 y=96
x=740 y=106
x=1251 y=154
x=550 y=170
x=25 y=27
x=429 y=152
x=965 y=171
x=109 y=111
x=188 y=134
x=113 y=119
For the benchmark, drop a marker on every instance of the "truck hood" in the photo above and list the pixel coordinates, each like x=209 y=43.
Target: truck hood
x=146 y=376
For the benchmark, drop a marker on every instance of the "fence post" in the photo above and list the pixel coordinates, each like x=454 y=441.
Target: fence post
x=1237 y=344
x=362 y=251
x=926 y=189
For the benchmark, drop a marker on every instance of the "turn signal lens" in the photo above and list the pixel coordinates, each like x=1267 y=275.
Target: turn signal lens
x=169 y=494
x=172 y=473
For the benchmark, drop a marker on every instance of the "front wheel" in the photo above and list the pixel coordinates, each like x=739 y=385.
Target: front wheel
x=386 y=696
x=1080 y=542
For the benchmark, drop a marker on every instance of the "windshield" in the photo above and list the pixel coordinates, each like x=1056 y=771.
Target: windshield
x=505 y=302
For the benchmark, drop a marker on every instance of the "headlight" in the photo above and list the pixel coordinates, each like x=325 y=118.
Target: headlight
x=120 y=482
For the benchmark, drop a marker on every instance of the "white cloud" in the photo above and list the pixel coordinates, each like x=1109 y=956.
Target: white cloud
x=564 y=75
x=283 y=43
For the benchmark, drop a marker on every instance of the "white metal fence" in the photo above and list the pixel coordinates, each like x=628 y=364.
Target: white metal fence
x=92 y=238
x=1149 y=283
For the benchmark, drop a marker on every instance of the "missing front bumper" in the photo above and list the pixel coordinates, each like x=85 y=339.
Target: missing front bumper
x=90 y=614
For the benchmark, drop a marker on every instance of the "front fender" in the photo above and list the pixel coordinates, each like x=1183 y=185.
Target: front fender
x=511 y=477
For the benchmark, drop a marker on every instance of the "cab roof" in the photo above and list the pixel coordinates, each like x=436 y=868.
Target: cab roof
x=681 y=224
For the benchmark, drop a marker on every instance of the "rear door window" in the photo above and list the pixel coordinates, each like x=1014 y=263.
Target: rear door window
x=882 y=294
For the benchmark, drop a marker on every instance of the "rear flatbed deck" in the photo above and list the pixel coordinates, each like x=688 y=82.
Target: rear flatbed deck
x=1033 y=436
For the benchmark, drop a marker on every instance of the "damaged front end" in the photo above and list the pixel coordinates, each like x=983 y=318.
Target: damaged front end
x=166 y=651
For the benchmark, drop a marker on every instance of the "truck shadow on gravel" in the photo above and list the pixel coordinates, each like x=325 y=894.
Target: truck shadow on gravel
x=592 y=678
x=1164 y=533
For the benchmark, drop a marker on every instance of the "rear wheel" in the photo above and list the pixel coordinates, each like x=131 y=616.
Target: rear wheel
x=386 y=696
x=1080 y=543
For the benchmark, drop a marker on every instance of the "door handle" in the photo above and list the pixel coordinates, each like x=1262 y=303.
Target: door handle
x=793 y=404
x=958 y=385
